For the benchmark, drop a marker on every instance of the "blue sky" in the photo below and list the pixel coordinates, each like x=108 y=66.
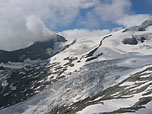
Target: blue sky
x=141 y=6
x=60 y=15
x=27 y=21
x=135 y=8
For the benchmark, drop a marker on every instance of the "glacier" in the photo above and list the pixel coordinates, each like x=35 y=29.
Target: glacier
x=94 y=76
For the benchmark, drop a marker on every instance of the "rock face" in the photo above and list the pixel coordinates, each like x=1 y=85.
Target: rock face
x=38 y=50
x=1 y=68
x=19 y=84
x=142 y=39
x=88 y=76
x=131 y=41
x=134 y=40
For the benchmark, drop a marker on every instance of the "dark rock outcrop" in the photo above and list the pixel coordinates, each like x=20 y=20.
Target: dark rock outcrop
x=38 y=50
x=131 y=41
x=2 y=68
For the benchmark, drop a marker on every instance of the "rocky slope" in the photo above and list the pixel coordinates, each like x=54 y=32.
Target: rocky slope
x=107 y=75
x=38 y=50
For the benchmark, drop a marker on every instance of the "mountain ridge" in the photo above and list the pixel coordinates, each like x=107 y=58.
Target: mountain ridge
x=37 y=50
x=87 y=77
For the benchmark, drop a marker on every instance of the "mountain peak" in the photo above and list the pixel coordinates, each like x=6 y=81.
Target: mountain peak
x=146 y=23
x=37 y=51
x=141 y=27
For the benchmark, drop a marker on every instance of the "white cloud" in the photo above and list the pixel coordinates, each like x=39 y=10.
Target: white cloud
x=83 y=33
x=113 y=9
x=22 y=32
x=37 y=29
x=133 y=20
x=59 y=13
x=23 y=22
x=53 y=12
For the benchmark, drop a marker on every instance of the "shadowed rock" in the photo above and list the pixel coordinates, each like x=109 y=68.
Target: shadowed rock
x=131 y=41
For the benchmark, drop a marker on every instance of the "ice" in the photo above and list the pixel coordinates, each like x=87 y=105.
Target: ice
x=84 y=79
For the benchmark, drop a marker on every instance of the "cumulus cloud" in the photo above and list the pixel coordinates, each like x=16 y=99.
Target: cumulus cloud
x=104 y=11
x=20 y=33
x=37 y=29
x=23 y=22
x=133 y=20
x=113 y=9
x=55 y=13
x=26 y=21
x=59 y=13
x=83 y=33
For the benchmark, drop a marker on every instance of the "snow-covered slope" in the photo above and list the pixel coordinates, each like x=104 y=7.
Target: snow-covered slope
x=123 y=43
x=106 y=75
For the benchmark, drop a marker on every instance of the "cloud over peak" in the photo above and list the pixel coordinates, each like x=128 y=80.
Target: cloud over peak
x=62 y=13
x=83 y=33
x=22 y=32
x=27 y=21
x=133 y=20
